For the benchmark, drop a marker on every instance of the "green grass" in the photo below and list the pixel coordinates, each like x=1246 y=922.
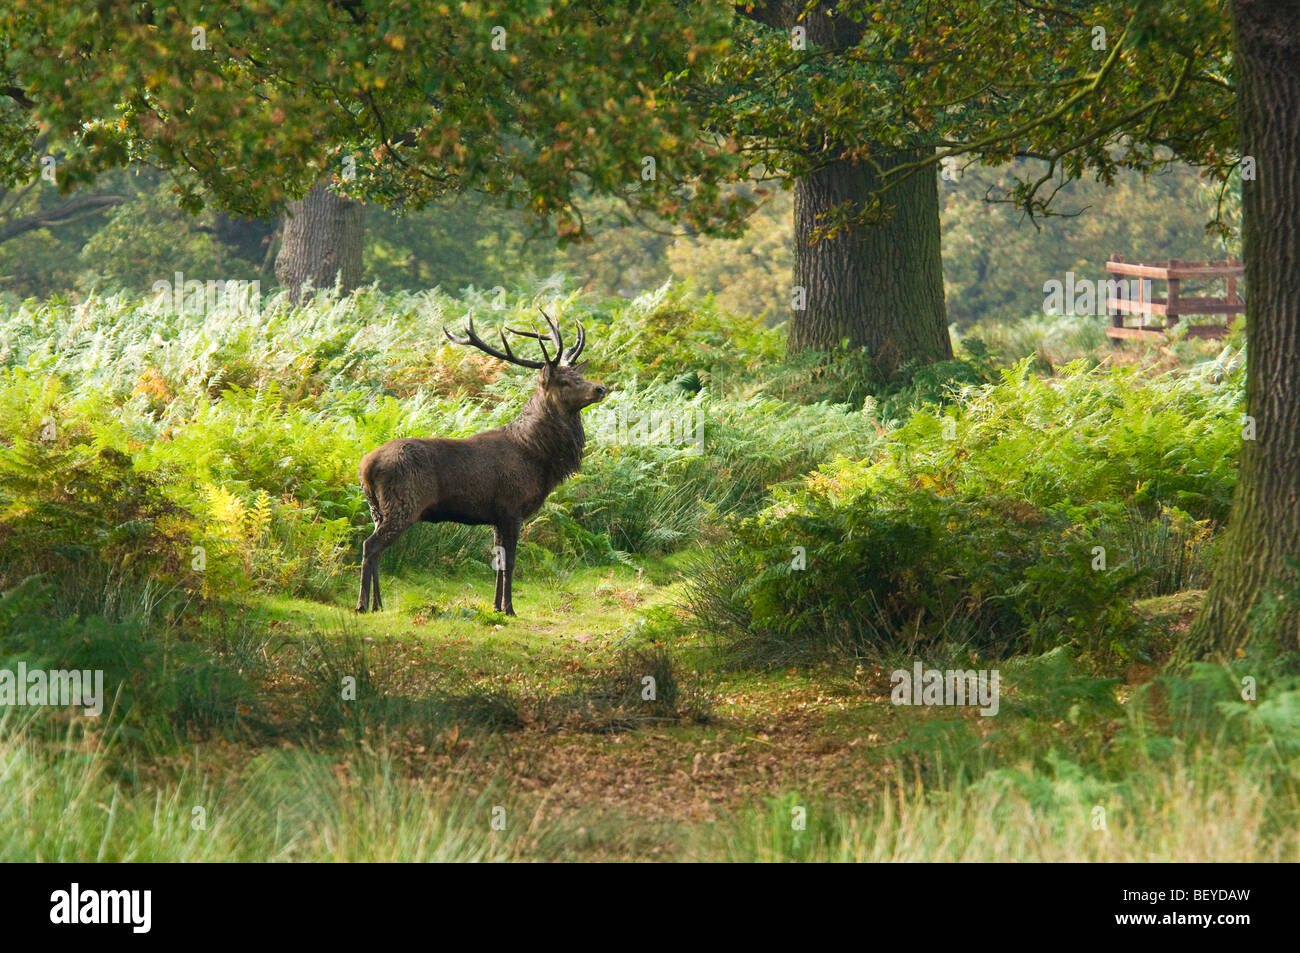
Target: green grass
x=279 y=806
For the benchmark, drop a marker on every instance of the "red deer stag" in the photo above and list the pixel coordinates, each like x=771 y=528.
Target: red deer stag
x=496 y=478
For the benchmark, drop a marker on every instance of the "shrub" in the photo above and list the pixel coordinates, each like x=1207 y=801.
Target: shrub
x=982 y=526
x=112 y=538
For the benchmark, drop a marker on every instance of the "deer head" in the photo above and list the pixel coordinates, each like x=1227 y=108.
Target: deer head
x=561 y=380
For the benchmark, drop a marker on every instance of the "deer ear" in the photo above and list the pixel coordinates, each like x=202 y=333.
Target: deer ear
x=547 y=373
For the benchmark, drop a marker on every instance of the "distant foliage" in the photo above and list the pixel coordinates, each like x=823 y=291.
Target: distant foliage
x=996 y=261
x=149 y=239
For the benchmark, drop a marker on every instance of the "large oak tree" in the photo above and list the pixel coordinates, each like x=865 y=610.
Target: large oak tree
x=859 y=102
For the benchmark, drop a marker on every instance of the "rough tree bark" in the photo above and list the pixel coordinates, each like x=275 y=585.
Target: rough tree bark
x=880 y=286
x=1264 y=526
x=321 y=243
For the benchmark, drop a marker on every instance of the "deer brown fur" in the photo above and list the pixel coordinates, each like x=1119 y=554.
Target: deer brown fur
x=496 y=478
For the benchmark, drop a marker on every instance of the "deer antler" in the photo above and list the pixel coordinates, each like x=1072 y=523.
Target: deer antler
x=571 y=355
x=473 y=340
x=564 y=356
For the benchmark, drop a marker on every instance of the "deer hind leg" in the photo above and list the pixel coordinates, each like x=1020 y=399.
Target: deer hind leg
x=363 y=598
x=383 y=536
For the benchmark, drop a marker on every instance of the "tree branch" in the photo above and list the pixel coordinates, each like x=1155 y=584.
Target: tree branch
x=73 y=210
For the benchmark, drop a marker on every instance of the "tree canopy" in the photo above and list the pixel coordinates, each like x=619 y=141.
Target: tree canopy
x=661 y=104
x=1083 y=86
x=250 y=104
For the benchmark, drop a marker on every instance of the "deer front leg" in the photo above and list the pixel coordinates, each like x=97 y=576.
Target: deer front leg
x=507 y=538
x=499 y=564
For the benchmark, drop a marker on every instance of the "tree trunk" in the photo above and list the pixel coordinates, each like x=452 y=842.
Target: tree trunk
x=880 y=286
x=1264 y=526
x=321 y=243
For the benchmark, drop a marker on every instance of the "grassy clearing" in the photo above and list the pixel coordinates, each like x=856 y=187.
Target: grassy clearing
x=418 y=767
x=539 y=717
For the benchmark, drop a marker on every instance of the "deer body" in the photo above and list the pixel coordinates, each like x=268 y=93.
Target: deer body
x=496 y=478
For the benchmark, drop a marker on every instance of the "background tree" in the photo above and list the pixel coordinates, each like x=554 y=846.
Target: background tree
x=878 y=283
x=1264 y=528
x=859 y=103
x=320 y=242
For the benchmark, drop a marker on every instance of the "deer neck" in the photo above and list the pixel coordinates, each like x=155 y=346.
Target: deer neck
x=553 y=437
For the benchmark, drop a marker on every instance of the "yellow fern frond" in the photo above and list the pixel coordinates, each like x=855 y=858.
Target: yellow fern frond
x=228 y=510
x=259 y=517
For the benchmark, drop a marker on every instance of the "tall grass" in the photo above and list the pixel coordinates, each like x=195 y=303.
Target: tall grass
x=1191 y=776
x=1190 y=772
x=1194 y=810
x=67 y=805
